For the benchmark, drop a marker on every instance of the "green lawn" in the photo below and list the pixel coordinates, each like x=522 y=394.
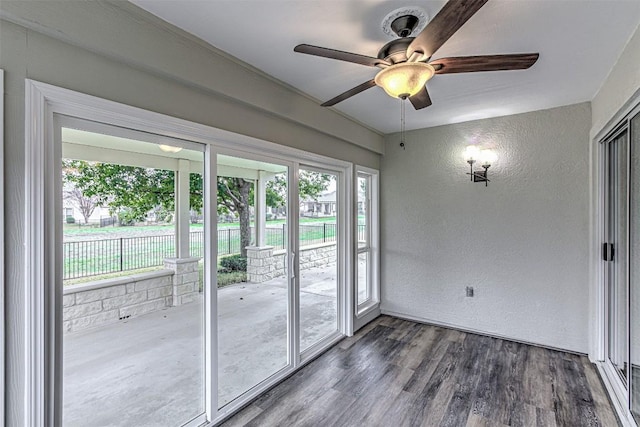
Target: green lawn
x=75 y=229
x=102 y=255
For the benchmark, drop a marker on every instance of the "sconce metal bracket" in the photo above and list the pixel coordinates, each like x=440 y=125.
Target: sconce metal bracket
x=480 y=176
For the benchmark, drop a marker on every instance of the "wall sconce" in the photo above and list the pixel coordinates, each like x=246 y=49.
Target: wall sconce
x=472 y=154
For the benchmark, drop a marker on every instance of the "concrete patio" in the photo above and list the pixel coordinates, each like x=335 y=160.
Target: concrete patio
x=149 y=370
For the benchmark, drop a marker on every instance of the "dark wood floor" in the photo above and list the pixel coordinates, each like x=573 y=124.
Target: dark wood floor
x=401 y=373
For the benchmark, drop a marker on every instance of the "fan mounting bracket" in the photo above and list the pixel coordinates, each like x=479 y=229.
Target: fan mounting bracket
x=404 y=22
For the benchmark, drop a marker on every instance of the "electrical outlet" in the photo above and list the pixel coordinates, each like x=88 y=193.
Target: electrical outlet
x=469 y=291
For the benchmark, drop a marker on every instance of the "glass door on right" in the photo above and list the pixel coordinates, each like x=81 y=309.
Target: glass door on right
x=621 y=255
x=634 y=267
x=615 y=253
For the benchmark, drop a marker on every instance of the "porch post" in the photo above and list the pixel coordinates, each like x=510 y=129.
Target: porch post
x=182 y=209
x=261 y=207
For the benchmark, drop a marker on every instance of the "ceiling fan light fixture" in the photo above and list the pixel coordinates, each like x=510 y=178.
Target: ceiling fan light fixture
x=405 y=79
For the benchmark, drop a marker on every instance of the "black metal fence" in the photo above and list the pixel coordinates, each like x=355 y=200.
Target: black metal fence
x=96 y=257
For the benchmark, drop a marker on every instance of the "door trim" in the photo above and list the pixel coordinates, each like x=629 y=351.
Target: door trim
x=42 y=102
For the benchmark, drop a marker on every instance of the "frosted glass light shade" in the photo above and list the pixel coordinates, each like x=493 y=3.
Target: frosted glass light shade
x=471 y=153
x=170 y=148
x=405 y=79
x=487 y=157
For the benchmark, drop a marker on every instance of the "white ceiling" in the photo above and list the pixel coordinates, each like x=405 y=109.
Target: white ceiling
x=578 y=42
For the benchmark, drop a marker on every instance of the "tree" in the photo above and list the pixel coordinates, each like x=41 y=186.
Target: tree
x=237 y=195
x=234 y=195
x=86 y=204
x=139 y=190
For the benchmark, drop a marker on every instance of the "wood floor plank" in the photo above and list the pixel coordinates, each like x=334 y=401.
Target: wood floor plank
x=547 y=418
x=536 y=382
x=431 y=358
x=243 y=417
x=474 y=358
x=401 y=373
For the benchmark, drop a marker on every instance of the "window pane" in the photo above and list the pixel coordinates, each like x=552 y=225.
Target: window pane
x=133 y=311
x=318 y=234
x=363 y=277
x=618 y=234
x=253 y=280
x=363 y=211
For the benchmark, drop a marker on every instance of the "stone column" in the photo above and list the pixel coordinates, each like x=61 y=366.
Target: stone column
x=260 y=264
x=186 y=279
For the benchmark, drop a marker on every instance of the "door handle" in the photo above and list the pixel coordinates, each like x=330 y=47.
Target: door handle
x=607 y=251
x=291 y=265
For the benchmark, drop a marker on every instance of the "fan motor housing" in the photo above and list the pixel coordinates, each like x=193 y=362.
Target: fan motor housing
x=396 y=50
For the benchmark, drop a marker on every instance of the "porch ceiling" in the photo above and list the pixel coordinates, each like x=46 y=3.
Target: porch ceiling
x=98 y=147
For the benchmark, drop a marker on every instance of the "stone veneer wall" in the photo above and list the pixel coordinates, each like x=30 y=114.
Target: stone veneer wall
x=110 y=300
x=263 y=263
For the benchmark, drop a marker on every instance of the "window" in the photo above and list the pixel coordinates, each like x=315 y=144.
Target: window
x=367 y=284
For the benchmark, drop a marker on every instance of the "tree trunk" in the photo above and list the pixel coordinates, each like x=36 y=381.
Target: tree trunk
x=243 y=209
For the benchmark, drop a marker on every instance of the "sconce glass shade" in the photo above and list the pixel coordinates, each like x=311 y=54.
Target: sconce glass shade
x=170 y=148
x=487 y=157
x=405 y=79
x=471 y=153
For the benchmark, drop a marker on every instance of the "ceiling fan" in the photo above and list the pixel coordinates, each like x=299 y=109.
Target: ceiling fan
x=404 y=62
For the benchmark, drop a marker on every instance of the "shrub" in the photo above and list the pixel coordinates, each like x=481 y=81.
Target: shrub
x=226 y=279
x=233 y=263
x=126 y=218
x=71 y=220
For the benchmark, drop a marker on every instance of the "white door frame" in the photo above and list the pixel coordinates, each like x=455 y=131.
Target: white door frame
x=2 y=327
x=42 y=263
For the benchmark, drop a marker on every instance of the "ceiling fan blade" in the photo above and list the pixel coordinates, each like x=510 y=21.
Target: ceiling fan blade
x=472 y=64
x=348 y=94
x=449 y=20
x=421 y=99
x=340 y=55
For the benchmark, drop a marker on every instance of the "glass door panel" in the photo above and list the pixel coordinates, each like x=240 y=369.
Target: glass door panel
x=133 y=307
x=617 y=287
x=253 y=273
x=318 y=257
x=634 y=257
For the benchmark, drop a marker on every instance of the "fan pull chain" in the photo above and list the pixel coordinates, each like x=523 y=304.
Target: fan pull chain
x=402 y=123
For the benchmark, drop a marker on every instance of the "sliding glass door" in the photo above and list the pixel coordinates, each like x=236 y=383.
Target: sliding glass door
x=279 y=241
x=615 y=253
x=621 y=258
x=318 y=261
x=133 y=292
x=634 y=270
x=254 y=273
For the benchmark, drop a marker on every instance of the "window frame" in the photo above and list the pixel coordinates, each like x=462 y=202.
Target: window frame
x=372 y=233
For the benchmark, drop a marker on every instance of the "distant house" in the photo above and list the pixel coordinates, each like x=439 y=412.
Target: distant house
x=322 y=206
x=325 y=205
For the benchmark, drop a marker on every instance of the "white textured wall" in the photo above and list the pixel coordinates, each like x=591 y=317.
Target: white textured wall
x=521 y=242
x=621 y=83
